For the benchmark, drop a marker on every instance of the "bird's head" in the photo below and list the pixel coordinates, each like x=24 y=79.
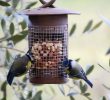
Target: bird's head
x=30 y=55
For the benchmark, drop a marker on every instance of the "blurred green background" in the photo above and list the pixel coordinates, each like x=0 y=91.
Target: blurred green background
x=90 y=47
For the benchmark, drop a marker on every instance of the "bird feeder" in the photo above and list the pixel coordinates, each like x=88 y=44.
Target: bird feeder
x=48 y=38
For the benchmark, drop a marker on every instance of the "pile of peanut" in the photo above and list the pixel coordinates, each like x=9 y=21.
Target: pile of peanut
x=47 y=54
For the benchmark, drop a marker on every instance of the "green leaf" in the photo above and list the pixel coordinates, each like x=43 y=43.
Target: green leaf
x=17 y=38
x=80 y=85
x=23 y=24
x=104 y=68
x=29 y=95
x=61 y=89
x=89 y=69
x=83 y=88
x=72 y=98
x=15 y=3
x=96 y=26
x=72 y=30
x=88 y=98
x=3 y=25
x=31 y=5
x=3 y=86
x=3 y=3
x=37 y=96
x=88 y=27
x=3 y=89
x=104 y=98
x=24 y=79
x=87 y=94
x=21 y=97
x=108 y=52
x=12 y=28
x=108 y=88
x=78 y=59
x=8 y=55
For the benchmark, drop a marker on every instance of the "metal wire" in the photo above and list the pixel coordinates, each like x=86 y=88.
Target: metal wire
x=49 y=45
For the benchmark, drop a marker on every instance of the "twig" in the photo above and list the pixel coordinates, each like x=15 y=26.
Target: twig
x=12 y=49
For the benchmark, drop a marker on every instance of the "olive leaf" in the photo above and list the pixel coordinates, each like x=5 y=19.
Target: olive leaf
x=78 y=59
x=3 y=25
x=86 y=94
x=3 y=89
x=21 y=97
x=88 y=27
x=31 y=4
x=23 y=24
x=18 y=37
x=89 y=69
x=96 y=26
x=103 y=68
x=37 y=96
x=83 y=88
x=25 y=79
x=104 y=98
x=108 y=88
x=3 y=3
x=29 y=95
x=8 y=55
x=12 y=28
x=72 y=98
x=72 y=30
x=15 y=3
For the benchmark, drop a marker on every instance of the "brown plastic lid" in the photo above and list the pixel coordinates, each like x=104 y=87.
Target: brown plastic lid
x=49 y=11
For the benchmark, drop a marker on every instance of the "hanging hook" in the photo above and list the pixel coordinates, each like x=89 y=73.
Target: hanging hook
x=47 y=4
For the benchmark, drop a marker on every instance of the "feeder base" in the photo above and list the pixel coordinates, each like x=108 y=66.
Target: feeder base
x=37 y=80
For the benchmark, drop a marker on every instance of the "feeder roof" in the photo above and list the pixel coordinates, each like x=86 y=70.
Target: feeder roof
x=49 y=11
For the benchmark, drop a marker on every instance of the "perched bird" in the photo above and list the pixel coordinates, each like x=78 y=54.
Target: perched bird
x=75 y=71
x=20 y=66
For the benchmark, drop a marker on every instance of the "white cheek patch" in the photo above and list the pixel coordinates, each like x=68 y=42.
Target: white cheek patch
x=73 y=63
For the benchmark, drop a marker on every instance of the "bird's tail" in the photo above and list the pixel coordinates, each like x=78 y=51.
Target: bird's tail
x=10 y=78
x=89 y=83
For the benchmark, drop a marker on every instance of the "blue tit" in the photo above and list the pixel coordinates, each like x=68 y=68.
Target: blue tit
x=75 y=71
x=20 y=66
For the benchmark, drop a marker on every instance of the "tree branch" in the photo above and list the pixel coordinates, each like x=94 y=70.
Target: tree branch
x=12 y=49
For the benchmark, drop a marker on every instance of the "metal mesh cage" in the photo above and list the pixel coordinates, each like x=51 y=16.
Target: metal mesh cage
x=49 y=47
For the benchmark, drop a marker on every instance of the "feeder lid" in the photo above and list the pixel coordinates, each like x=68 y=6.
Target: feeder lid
x=49 y=11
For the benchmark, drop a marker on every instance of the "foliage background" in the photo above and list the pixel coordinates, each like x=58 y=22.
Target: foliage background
x=90 y=47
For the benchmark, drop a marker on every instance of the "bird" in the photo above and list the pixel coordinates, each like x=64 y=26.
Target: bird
x=20 y=66
x=75 y=71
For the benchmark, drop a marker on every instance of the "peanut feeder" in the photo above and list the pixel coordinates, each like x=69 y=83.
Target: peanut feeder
x=48 y=38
